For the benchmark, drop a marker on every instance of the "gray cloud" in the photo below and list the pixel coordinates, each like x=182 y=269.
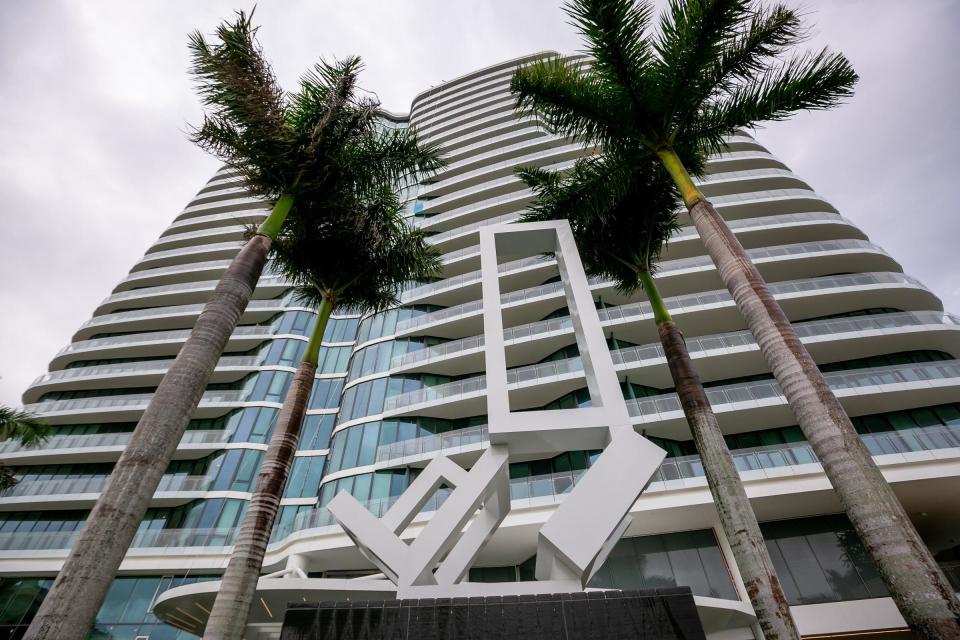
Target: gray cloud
x=94 y=100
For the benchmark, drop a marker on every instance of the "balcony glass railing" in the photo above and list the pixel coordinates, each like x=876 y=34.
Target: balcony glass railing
x=473 y=277
x=129 y=368
x=769 y=221
x=252 y=201
x=689 y=302
x=454 y=120
x=511 y=125
x=763 y=254
x=490 y=184
x=798 y=453
x=240 y=217
x=516 y=378
x=508 y=164
x=185 y=251
x=473 y=127
x=172 y=310
x=129 y=402
x=766 y=194
x=469 y=153
x=544 y=488
x=469 y=228
x=197 y=235
x=70 y=442
x=735 y=339
x=266 y=280
x=667 y=405
x=95 y=484
x=697 y=301
x=459 y=388
x=454 y=107
x=745 y=173
x=177 y=268
x=441 y=442
x=159 y=336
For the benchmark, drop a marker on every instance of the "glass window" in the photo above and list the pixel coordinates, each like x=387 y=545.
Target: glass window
x=368 y=445
x=304 y=477
x=325 y=394
x=689 y=558
x=821 y=560
x=315 y=433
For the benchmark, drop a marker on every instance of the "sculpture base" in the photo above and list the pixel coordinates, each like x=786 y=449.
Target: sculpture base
x=661 y=614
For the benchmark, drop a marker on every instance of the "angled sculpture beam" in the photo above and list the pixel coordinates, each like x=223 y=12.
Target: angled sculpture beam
x=577 y=538
x=579 y=535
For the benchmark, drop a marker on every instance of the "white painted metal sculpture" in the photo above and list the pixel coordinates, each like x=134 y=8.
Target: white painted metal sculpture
x=575 y=541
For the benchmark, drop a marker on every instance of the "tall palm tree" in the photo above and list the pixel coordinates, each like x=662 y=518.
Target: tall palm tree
x=360 y=265
x=27 y=429
x=673 y=92
x=307 y=144
x=623 y=210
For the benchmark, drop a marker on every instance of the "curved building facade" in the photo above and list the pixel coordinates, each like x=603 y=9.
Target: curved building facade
x=398 y=388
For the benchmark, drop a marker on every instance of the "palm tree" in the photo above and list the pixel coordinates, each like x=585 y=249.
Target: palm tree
x=27 y=429
x=360 y=266
x=320 y=143
x=623 y=210
x=674 y=92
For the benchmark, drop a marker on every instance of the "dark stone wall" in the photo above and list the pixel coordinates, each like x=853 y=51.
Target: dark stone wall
x=661 y=614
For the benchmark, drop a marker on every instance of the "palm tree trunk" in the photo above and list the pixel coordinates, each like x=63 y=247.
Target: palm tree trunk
x=70 y=608
x=733 y=507
x=228 y=618
x=911 y=575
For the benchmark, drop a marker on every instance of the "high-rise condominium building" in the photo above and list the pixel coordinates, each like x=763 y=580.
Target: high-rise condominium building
x=395 y=389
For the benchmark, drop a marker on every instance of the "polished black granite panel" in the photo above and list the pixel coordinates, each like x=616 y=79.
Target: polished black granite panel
x=661 y=614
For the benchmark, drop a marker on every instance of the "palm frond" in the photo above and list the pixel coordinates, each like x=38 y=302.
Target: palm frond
x=572 y=101
x=693 y=34
x=240 y=91
x=359 y=255
x=390 y=156
x=622 y=210
x=7 y=477
x=770 y=32
x=806 y=83
x=620 y=54
x=23 y=426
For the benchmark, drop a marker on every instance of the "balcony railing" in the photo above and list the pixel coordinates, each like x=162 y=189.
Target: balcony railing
x=467 y=228
x=184 y=251
x=159 y=336
x=184 y=309
x=767 y=221
x=128 y=368
x=95 y=484
x=472 y=277
x=767 y=392
x=440 y=442
x=132 y=401
x=544 y=488
x=70 y=442
x=688 y=302
x=265 y=281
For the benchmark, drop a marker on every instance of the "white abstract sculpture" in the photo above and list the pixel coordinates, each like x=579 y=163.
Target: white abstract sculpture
x=576 y=539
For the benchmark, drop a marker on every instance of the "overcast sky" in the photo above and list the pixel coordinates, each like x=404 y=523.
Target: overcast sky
x=94 y=101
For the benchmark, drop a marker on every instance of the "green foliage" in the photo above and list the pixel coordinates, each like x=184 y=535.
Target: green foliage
x=360 y=261
x=622 y=210
x=325 y=145
x=28 y=429
x=322 y=142
x=710 y=67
